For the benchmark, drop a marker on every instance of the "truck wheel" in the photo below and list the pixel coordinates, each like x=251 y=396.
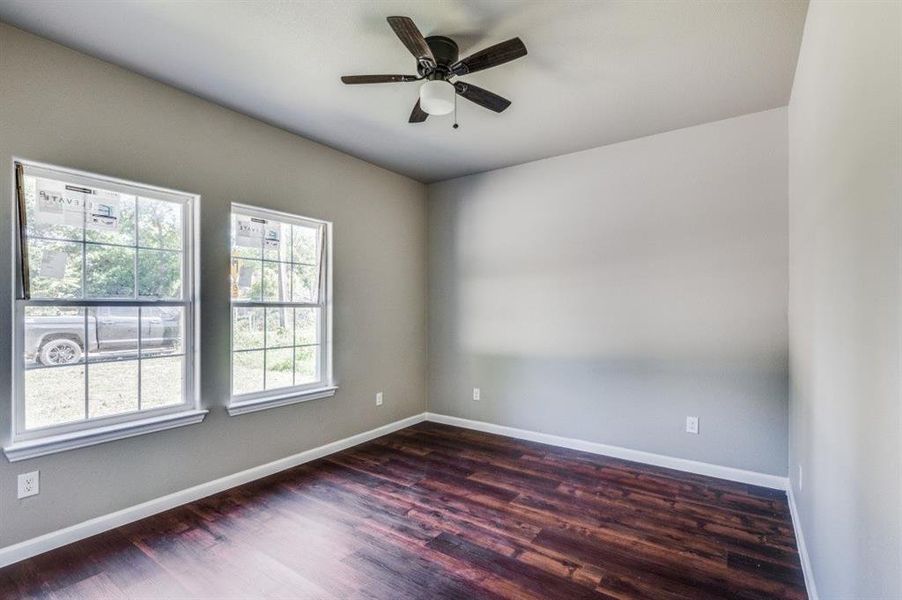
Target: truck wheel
x=61 y=351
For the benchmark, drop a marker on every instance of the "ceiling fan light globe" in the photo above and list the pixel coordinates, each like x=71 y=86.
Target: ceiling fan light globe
x=437 y=97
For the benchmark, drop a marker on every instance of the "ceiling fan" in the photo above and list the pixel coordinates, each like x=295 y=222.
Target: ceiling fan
x=438 y=64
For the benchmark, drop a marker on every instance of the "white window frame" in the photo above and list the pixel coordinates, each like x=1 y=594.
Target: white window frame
x=30 y=443
x=326 y=386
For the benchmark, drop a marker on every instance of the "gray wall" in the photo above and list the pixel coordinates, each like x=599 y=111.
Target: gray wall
x=845 y=173
x=606 y=295
x=62 y=107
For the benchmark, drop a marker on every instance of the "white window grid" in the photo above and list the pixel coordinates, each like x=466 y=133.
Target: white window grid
x=322 y=343
x=190 y=376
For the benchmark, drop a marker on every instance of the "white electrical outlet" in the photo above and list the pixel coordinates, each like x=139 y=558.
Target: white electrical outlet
x=378 y=398
x=692 y=425
x=29 y=484
x=476 y=394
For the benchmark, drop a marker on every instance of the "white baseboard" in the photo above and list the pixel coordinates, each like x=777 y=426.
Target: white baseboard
x=659 y=460
x=79 y=531
x=800 y=542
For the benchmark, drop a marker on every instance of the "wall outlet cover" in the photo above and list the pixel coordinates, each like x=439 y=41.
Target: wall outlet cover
x=29 y=484
x=476 y=394
x=379 y=399
x=692 y=425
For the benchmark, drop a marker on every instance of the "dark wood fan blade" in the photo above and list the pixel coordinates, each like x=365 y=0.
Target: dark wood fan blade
x=490 y=57
x=408 y=33
x=355 y=79
x=418 y=115
x=482 y=97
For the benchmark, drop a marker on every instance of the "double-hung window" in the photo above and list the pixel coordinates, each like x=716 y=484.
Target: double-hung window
x=105 y=315
x=281 y=311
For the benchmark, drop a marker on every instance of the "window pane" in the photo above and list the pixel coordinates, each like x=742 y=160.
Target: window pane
x=275 y=261
x=47 y=217
x=93 y=245
x=159 y=224
x=247 y=328
x=121 y=231
x=306 y=325
x=112 y=333
x=247 y=372
x=162 y=330
x=306 y=364
x=159 y=274
x=109 y=271
x=246 y=242
x=54 y=396
x=276 y=279
x=278 y=368
x=55 y=269
x=112 y=388
x=161 y=381
x=304 y=244
x=277 y=241
x=304 y=283
x=246 y=280
x=54 y=335
x=279 y=327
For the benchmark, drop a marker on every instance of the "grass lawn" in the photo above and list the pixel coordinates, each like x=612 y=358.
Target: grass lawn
x=57 y=395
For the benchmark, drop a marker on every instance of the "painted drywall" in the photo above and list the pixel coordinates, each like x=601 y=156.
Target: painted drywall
x=608 y=294
x=62 y=107
x=845 y=190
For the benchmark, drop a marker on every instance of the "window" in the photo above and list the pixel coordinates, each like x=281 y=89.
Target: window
x=281 y=321
x=105 y=318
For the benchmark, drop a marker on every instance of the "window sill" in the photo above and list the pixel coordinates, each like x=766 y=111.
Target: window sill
x=89 y=437
x=248 y=406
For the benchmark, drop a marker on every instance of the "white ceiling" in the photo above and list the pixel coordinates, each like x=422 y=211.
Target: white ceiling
x=596 y=73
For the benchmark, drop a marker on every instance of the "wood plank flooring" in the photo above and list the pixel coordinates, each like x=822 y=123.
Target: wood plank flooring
x=434 y=511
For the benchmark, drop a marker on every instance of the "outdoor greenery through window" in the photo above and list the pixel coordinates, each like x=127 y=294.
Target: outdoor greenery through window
x=104 y=326
x=279 y=308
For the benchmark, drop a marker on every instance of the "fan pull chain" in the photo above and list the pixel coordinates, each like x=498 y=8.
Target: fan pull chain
x=455 y=110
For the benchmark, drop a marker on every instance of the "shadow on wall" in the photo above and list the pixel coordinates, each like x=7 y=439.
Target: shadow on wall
x=671 y=286
x=633 y=403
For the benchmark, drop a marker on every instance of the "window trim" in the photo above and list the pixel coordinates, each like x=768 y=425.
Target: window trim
x=98 y=435
x=324 y=388
x=28 y=443
x=274 y=401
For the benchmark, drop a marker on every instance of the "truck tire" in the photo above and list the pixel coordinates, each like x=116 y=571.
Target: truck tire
x=60 y=351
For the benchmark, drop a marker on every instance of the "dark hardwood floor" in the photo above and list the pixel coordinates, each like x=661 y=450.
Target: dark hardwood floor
x=439 y=512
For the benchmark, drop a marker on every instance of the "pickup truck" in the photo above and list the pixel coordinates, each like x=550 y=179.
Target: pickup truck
x=112 y=330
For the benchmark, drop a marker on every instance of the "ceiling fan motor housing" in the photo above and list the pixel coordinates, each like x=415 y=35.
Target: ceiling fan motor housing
x=446 y=53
